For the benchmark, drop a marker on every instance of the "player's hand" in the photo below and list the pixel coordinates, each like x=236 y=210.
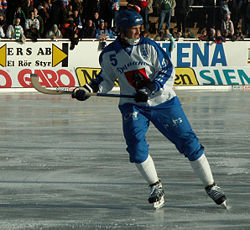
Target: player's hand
x=80 y=93
x=142 y=95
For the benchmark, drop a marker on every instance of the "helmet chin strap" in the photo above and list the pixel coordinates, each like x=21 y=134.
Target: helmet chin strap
x=132 y=41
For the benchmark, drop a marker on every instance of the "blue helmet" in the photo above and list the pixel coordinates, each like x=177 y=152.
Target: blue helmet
x=128 y=18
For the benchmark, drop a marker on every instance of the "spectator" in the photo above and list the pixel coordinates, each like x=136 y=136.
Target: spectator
x=77 y=19
x=50 y=4
x=113 y=9
x=32 y=33
x=224 y=8
x=27 y=8
x=41 y=23
x=189 y=34
x=32 y=22
x=182 y=10
x=32 y=27
x=16 y=31
x=36 y=3
x=106 y=11
x=211 y=34
x=227 y=27
x=3 y=5
x=43 y=11
x=58 y=14
x=93 y=6
x=165 y=8
x=2 y=34
x=143 y=4
x=70 y=30
x=65 y=3
x=199 y=15
x=102 y=32
x=96 y=18
x=89 y=30
x=21 y=15
x=219 y=38
x=54 y=33
x=246 y=19
x=3 y=22
x=77 y=5
x=237 y=11
x=69 y=11
x=204 y=35
x=210 y=17
x=238 y=35
x=173 y=8
x=178 y=35
x=150 y=6
x=50 y=12
x=10 y=11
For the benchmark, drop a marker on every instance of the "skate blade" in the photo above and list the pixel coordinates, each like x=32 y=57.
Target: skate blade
x=158 y=204
x=224 y=205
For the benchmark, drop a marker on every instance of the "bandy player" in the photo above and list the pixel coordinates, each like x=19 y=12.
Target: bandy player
x=144 y=69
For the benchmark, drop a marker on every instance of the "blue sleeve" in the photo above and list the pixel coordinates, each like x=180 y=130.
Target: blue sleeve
x=105 y=79
x=163 y=62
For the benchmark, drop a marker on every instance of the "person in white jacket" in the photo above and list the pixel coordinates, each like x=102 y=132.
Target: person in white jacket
x=2 y=34
x=16 y=31
x=144 y=70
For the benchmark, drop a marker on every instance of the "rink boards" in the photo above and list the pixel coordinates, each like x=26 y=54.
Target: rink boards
x=197 y=63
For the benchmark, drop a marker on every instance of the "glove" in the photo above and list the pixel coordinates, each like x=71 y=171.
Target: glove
x=144 y=93
x=80 y=93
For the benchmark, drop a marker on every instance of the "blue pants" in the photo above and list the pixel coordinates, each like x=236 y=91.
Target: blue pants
x=165 y=15
x=144 y=14
x=170 y=121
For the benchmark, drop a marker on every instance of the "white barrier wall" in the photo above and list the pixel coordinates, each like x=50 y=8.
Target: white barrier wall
x=197 y=63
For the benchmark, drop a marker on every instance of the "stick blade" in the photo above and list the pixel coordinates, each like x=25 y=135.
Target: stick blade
x=67 y=90
x=42 y=89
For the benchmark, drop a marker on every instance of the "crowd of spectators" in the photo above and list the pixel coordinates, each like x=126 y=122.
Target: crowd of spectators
x=75 y=19
x=208 y=20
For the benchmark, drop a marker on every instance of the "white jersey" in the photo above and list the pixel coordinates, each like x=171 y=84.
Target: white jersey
x=146 y=60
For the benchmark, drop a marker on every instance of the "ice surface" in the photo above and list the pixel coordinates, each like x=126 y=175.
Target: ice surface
x=63 y=165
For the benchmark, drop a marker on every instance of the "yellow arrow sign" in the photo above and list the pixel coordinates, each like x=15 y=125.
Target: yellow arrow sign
x=3 y=56
x=57 y=55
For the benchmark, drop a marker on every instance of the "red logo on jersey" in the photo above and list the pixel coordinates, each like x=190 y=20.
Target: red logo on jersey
x=137 y=78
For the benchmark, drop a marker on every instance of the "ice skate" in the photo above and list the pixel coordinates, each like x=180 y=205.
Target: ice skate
x=217 y=195
x=156 y=196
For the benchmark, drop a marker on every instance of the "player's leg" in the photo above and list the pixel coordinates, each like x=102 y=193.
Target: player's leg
x=202 y=169
x=135 y=127
x=173 y=123
x=148 y=171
